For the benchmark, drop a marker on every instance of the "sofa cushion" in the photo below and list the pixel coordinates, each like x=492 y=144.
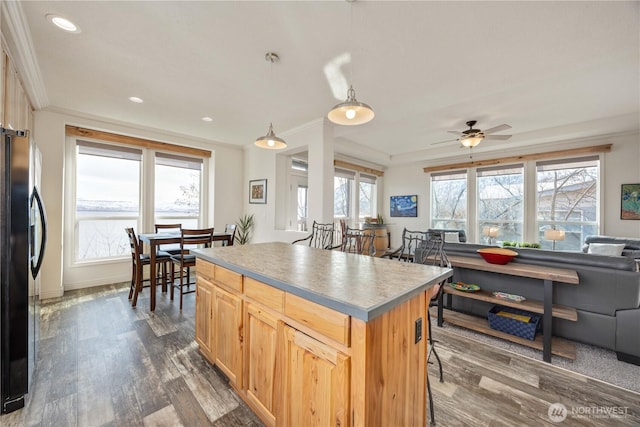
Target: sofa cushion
x=462 y=235
x=452 y=237
x=611 y=249
x=631 y=245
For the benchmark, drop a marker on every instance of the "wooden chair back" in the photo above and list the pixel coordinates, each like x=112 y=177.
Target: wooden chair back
x=195 y=237
x=230 y=229
x=134 y=243
x=172 y=248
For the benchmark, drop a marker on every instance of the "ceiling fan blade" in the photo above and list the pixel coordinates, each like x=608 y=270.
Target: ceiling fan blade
x=497 y=137
x=455 y=132
x=495 y=129
x=443 y=142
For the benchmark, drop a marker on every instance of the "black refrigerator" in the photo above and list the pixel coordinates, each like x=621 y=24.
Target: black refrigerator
x=22 y=241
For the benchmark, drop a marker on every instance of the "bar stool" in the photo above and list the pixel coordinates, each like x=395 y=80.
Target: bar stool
x=433 y=253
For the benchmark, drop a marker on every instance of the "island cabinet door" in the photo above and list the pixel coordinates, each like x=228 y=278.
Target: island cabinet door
x=260 y=333
x=227 y=332
x=314 y=382
x=204 y=311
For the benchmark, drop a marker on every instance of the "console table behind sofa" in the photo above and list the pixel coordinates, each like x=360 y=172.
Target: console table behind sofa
x=607 y=300
x=545 y=307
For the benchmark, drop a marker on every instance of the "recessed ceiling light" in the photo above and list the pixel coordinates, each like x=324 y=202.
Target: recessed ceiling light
x=207 y=119
x=63 y=23
x=136 y=99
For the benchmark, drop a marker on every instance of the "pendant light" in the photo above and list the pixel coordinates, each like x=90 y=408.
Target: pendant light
x=351 y=111
x=270 y=141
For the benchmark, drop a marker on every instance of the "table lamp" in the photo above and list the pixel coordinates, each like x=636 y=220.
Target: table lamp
x=490 y=232
x=554 y=235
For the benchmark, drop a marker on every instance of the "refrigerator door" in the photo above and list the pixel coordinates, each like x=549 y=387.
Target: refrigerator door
x=14 y=276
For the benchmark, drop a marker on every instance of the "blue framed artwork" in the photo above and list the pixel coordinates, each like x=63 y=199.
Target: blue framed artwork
x=404 y=206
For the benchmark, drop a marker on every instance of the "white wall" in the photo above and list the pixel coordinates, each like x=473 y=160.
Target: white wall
x=316 y=139
x=621 y=166
x=224 y=187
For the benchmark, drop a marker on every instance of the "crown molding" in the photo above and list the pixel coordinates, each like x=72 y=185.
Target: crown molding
x=23 y=53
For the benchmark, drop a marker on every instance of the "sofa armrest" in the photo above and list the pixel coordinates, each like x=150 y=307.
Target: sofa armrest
x=628 y=332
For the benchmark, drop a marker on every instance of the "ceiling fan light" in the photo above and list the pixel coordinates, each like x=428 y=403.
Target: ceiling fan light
x=270 y=141
x=470 y=141
x=351 y=112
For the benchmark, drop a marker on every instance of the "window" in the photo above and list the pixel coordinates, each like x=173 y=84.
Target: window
x=367 y=196
x=299 y=194
x=345 y=204
x=107 y=199
x=343 y=186
x=565 y=193
x=177 y=189
x=567 y=199
x=449 y=200
x=500 y=203
x=108 y=185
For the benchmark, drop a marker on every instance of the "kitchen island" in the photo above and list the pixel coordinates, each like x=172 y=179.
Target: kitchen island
x=317 y=337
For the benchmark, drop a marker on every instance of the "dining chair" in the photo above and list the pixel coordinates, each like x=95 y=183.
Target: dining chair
x=410 y=241
x=431 y=252
x=138 y=261
x=172 y=248
x=321 y=236
x=169 y=228
x=230 y=229
x=190 y=239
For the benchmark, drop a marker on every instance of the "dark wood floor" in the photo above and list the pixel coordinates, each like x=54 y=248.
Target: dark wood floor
x=102 y=363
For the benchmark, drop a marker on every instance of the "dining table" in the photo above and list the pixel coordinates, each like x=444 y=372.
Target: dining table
x=154 y=240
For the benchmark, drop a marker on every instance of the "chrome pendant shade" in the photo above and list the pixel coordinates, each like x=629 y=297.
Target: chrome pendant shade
x=351 y=112
x=270 y=140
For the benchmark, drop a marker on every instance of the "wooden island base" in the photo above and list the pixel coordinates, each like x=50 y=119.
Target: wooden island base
x=296 y=362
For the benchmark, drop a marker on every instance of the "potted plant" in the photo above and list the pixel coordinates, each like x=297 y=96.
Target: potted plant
x=245 y=224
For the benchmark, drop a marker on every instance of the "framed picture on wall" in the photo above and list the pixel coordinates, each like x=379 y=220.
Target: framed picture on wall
x=630 y=201
x=258 y=191
x=404 y=206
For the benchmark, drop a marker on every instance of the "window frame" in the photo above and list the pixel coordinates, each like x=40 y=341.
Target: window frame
x=530 y=221
x=146 y=216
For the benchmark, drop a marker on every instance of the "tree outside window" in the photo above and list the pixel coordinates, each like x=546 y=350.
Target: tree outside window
x=567 y=199
x=449 y=200
x=500 y=202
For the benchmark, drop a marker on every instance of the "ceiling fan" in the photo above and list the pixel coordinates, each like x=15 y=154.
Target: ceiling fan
x=472 y=137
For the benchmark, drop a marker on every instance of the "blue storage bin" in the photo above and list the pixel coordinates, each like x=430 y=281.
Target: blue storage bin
x=514 y=326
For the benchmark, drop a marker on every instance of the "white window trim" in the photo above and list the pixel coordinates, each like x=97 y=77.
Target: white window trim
x=530 y=218
x=82 y=274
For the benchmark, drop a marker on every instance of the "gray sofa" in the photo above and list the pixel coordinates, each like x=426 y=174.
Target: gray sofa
x=631 y=246
x=607 y=298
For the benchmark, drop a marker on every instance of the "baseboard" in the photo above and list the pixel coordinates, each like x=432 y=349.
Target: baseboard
x=97 y=282
x=629 y=358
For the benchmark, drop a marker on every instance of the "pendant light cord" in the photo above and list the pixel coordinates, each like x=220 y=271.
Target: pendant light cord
x=351 y=41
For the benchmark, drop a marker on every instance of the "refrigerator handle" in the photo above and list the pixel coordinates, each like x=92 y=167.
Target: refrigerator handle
x=35 y=196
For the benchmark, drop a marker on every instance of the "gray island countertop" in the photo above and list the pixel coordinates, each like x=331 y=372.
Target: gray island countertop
x=360 y=286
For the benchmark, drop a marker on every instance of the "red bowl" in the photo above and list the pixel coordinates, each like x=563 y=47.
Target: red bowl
x=497 y=255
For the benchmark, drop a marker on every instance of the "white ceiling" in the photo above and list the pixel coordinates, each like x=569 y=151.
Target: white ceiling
x=551 y=70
